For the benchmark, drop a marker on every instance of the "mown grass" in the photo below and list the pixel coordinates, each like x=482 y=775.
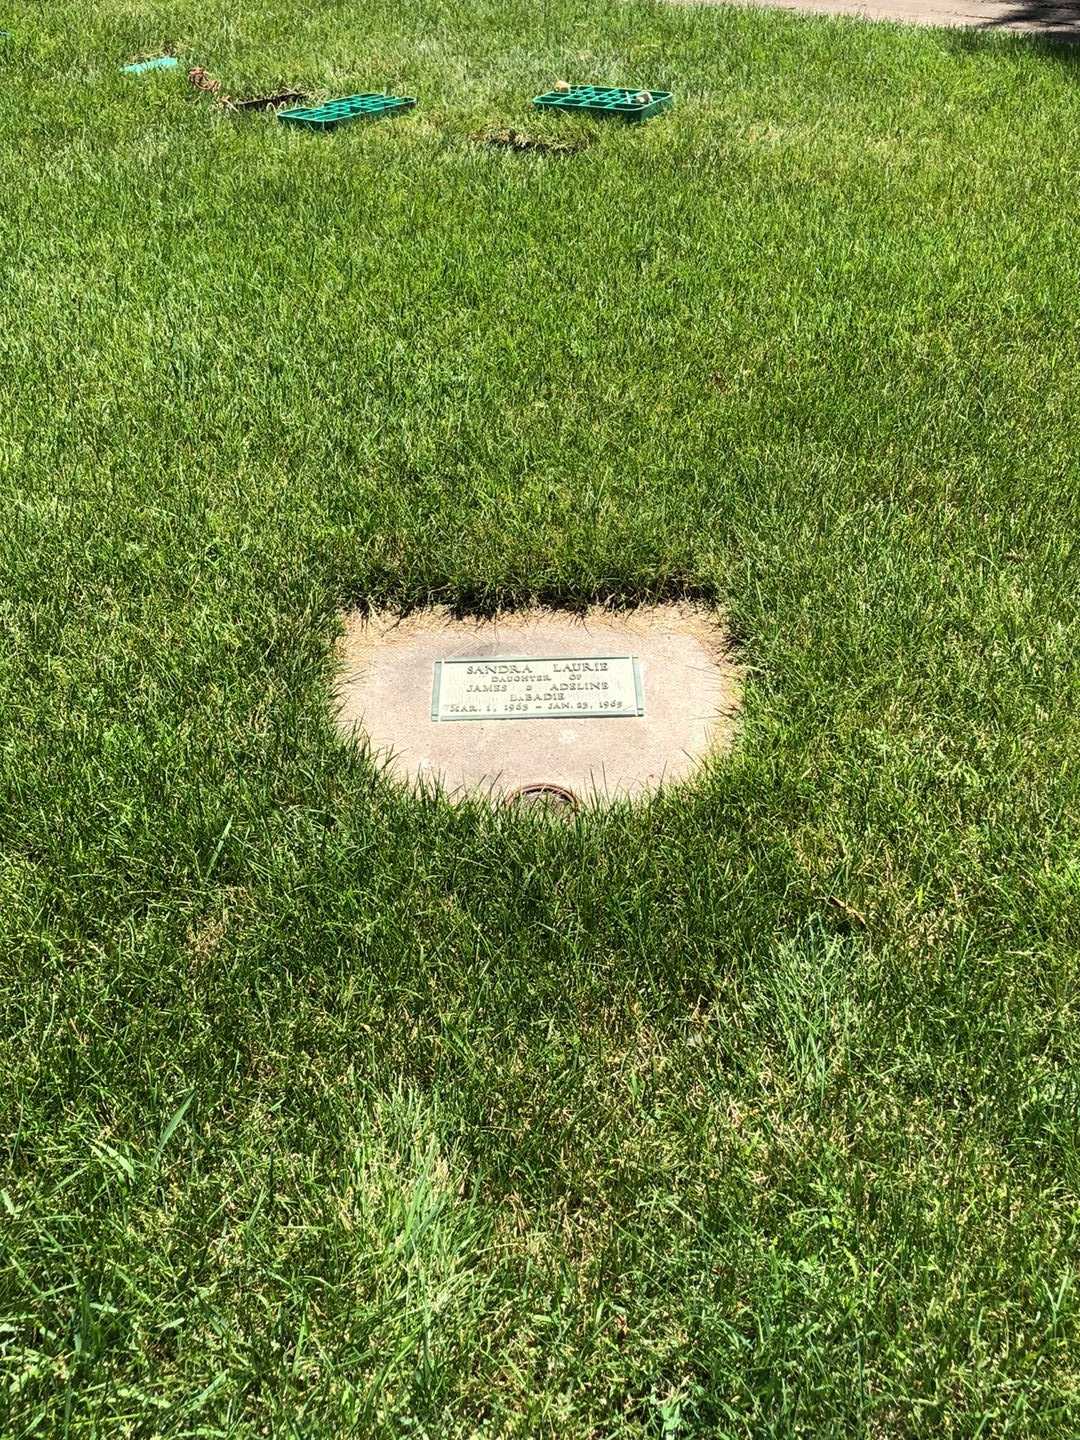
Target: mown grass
x=752 y=1111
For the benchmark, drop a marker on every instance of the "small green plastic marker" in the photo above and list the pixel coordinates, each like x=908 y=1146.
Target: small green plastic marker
x=607 y=102
x=347 y=109
x=163 y=62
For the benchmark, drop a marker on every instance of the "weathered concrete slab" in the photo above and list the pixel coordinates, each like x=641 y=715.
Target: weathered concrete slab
x=609 y=703
x=1060 y=22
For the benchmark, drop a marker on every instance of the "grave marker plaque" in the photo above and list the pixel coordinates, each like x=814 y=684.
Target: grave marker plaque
x=547 y=687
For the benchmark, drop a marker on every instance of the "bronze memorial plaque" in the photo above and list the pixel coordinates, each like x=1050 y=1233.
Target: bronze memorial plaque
x=548 y=687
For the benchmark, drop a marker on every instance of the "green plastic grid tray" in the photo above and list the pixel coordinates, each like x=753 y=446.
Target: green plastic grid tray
x=350 y=107
x=606 y=100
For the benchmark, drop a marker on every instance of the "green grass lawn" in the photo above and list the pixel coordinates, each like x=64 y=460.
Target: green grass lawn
x=329 y=1111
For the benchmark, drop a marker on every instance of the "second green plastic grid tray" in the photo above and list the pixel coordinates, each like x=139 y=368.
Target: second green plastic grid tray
x=347 y=109
x=613 y=101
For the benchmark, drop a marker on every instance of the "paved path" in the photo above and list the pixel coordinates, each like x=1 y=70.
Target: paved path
x=1057 y=21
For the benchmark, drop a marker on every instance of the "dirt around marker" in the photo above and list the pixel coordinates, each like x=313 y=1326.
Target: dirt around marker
x=604 y=704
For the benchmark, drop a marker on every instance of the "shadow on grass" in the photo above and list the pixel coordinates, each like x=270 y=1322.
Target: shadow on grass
x=1058 y=23
x=472 y=599
x=1057 y=39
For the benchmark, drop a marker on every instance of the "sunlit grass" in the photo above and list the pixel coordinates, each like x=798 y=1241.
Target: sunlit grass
x=331 y=1111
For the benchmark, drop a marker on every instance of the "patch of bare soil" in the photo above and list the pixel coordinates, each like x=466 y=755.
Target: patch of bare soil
x=691 y=689
x=516 y=140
